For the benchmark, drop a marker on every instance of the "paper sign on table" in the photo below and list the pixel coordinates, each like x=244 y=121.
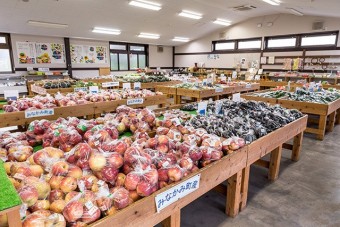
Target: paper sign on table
x=110 y=84
x=248 y=85
x=126 y=85
x=11 y=94
x=229 y=79
x=234 y=75
x=76 y=89
x=223 y=78
x=280 y=80
x=94 y=89
x=202 y=108
x=219 y=89
x=134 y=101
x=237 y=97
x=260 y=71
x=39 y=113
x=137 y=85
x=204 y=82
x=177 y=192
x=43 y=69
x=257 y=77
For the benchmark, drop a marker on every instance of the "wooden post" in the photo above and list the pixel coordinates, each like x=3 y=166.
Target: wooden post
x=297 y=145
x=331 y=122
x=234 y=194
x=174 y=220
x=13 y=216
x=244 y=187
x=322 y=127
x=337 y=121
x=274 y=167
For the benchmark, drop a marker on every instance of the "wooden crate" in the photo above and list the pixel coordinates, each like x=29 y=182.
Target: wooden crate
x=153 y=85
x=144 y=213
x=250 y=96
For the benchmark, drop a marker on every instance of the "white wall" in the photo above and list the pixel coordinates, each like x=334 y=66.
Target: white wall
x=160 y=59
x=283 y=24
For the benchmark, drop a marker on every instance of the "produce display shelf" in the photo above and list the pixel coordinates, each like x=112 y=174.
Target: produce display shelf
x=153 y=85
x=328 y=114
x=89 y=110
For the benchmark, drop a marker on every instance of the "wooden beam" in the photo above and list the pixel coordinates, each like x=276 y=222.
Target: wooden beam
x=275 y=159
x=297 y=145
x=244 y=187
x=262 y=163
x=234 y=194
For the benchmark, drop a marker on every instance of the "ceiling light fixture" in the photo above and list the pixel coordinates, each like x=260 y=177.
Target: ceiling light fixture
x=46 y=24
x=272 y=2
x=222 y=22
x=148 y=35
x=106 y=31
x=295 y=12
x=190 y=14
x=180 y=39
x=146 y=4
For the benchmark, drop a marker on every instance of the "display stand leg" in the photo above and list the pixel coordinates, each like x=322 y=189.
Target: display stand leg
x=274 y=167
x=234 y=194
x=337 y=121
x=297 y=145
x=244 y=187
x=14 y=218
x=174 y=220
x=331 y=122
x=322 y=127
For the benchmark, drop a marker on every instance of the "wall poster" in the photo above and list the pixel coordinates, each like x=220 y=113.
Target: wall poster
x=88 y=54
x=26 y=52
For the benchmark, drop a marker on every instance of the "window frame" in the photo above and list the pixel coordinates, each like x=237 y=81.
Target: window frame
x=267 y=38
x=236 y=48
x=129 y=52
x=250 y=39
x=316 y=34
x=7 y=46
x=224 y=41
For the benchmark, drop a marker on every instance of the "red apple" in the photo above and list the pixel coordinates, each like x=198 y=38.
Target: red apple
x=60 y=168
x=131 y=181
x=115 y=160
x=120 y=197
x=175 y=173
x=58 y=206
x=163 y=139
x=41 y=205
x=28 y=195
x=120 y=179
x=152 y=143
x=97 y=162
x=68 y=184
x=73 y=211
x=186 y=163
x=90 y=216
x=56 y=195
x=55 y=182
x=109 y=174
x=75 y=171
x=104 y=203
x=163 y=148
x=69 y=196
x=34 y=220
x=144 y=189
x=36 y=170
x=163 y=175
x=195 y=154
x=134 y=195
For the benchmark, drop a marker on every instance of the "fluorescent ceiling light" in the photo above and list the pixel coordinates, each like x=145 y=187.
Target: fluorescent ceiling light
x=189 y=14
x=46 y=24
x=272 y=2
x=106 y=31
x=295 y=12
x=222 y=22
x=146 y=4
x=148 y=35
x=180 y=39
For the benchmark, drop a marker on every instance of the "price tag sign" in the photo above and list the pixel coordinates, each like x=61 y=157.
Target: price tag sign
x=134 y=101
x=248 y=85
x=76 y=89
x=43 y=69
x=29 y=69
x=229 y=79
x=110 y=84
x=126 y=85
x=177 y=192
x=137 y=85
x=223 y=78
x=237 y=97
x=38 y=113
x=209 y=81
x=234 y=75
x=280 y=80
x=257 y=77
x=204 y=82
x=202 y=108
x=94 y=89
x=219 y=89
x=11 y=94
x=176 y=121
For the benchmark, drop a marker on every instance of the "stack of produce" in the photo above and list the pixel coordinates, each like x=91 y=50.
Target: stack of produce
x=323 y=97
x=85 y=172
x=248 y=120
x=52 y=84
x=131 y=78
x=74 y=98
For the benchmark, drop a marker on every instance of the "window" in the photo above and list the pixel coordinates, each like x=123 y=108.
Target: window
x=6 y=60
x=250 y=44
x=283 y=42
x=319 y=40
x=125 y=56
x=225 y=46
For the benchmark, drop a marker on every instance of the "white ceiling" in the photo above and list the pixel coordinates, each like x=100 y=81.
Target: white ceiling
x=83 y=15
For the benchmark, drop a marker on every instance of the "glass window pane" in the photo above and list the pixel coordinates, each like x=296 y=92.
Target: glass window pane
x=142 y=61
x=254 y=44
x=225 y=46
x=117 y=47
x=318 y=40
x=114 y=61
x=5 y=61
x=2 y=39
x=133 y=61
x=123 y=62
x=137 y=48
x=286 y=42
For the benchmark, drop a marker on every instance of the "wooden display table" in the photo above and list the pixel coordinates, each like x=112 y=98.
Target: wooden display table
x=86 y=110
x=13 y=216
x=271 y=84
x=330 y=111
x=153 y=85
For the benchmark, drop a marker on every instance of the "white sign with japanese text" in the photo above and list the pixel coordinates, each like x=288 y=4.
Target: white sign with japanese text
x=110 y=84
x=76 y=89
x=39 y=113
x=177 y=192
x=134 y=101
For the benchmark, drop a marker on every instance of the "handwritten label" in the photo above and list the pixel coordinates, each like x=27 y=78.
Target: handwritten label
x=223 y=78
x=202 y=108
x=236 y=97
x=219 y=89
x=177 y=192
x=137 y=85
x=11 y=94
x=110 y=84
x=94 y=89
x=204 y=82
x=257 y=77
x=248 y=85
x=76 y=89
x=126 y=85
x=234 y=75
x=39 y=113
x=134 y=101
x=43 y=69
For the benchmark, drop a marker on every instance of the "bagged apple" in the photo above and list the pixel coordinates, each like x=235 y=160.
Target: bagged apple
x=210 y=154
x=144 y=181
x=135 y=157
x=119 y=146
x=19 y=153
x=44 y=219
x=232 y=144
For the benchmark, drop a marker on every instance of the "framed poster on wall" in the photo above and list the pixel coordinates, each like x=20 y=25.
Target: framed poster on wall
x=26 y=52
